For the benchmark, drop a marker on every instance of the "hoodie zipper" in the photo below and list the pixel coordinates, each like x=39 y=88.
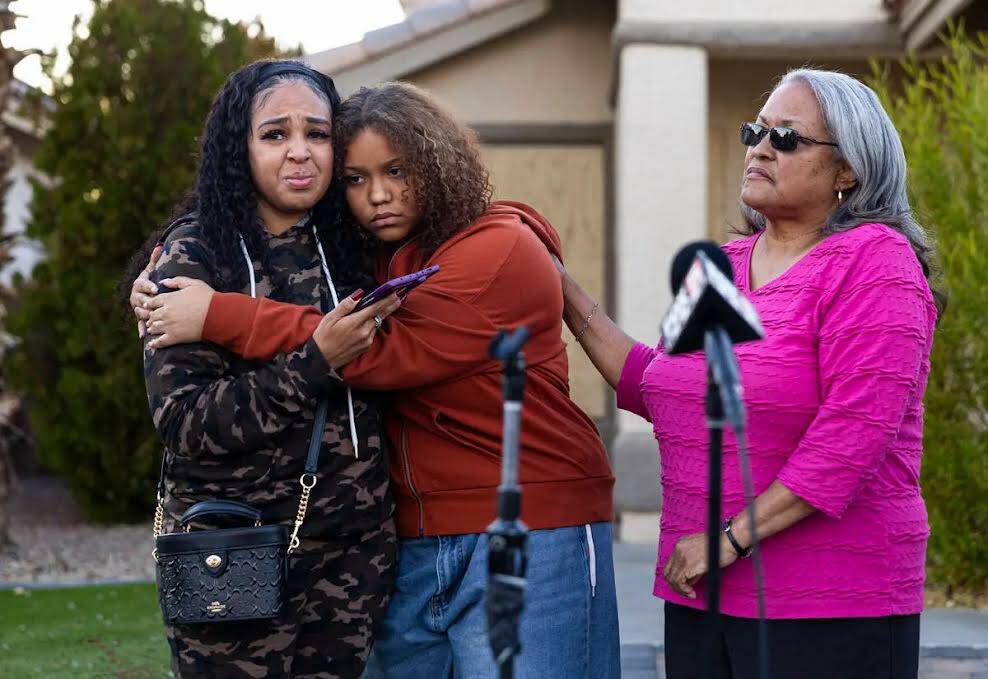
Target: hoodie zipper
x=405 y=463
x=407 y=467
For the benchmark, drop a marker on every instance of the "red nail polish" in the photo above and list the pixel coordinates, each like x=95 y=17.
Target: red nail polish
x=357 y=295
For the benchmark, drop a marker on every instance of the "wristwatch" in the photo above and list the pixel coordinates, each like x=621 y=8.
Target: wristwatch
x=742 y=552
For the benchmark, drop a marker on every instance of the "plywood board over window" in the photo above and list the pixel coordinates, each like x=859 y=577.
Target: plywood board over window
x=565 y=182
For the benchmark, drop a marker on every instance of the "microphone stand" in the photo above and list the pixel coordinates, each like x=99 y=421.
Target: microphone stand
x=725 y=405
x=715 y=343
x=507 y=536
x=706 y=301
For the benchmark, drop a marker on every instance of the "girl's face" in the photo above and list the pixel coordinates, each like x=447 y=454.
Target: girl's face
x=377 y=188
x=291 y=152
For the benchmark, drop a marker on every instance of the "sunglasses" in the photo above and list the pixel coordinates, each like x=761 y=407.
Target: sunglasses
x=781 y=138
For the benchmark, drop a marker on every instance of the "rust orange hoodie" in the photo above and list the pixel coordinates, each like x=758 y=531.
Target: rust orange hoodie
x=444 y=422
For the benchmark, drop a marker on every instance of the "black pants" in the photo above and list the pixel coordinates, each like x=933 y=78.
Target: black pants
x=835 y=648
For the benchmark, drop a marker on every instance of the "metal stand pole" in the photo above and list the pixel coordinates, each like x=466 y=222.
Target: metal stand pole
x=507 y=535
x=715 y=425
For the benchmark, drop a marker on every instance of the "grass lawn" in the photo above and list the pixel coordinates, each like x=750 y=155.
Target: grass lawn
x=112 y=631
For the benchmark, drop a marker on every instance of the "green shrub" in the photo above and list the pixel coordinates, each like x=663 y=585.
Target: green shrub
x=941 y=110
x=120 y=151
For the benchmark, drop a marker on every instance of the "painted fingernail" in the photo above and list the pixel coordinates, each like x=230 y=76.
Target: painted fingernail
x=357 y=294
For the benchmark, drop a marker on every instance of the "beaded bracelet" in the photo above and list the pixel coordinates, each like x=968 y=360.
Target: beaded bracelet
x=586 y=323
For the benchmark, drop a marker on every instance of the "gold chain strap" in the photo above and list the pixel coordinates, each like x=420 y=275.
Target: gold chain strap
x=303 y=506
x=308 y=482
x=159 y=513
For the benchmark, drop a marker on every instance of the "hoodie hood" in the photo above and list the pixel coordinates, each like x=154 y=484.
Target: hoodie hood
x=408 y=257
x=531 y=218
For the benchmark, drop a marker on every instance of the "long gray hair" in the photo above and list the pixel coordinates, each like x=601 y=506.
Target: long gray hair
x=869 y=143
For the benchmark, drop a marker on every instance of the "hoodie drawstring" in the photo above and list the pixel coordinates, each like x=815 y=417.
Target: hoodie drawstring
x=336 y=303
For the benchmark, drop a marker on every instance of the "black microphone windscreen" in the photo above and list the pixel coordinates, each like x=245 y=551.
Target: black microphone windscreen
x=684 y=258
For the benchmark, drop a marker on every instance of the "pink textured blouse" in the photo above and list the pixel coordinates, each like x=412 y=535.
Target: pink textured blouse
x=834 y=398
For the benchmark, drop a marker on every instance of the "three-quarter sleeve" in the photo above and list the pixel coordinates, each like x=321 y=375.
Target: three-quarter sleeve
x=874 y=337
x=629 y=394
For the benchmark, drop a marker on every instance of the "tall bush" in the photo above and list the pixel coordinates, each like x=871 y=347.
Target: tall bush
x=941 y=110
x=120 y=152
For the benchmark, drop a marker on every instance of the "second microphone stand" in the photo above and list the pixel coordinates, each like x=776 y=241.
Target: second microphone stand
x=507 y=536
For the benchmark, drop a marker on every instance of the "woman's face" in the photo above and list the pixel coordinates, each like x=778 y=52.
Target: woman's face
x=377 y=188
x=291 y=152
x=800 y=183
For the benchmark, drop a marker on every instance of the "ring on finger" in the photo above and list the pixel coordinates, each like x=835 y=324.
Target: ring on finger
x=378 y=321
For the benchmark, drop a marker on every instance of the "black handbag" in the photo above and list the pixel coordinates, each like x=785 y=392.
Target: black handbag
x=229 y=574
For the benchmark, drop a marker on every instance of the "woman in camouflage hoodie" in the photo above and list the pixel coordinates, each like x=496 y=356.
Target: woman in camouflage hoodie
x=237 y=429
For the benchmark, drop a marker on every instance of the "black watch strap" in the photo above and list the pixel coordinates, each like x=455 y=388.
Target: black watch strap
x=742 y=552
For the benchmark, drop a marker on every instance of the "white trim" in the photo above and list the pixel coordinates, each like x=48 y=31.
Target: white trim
x=325 y=267
x=761 y=39
x=925 y=26
x=250 y=268
x=592 y=556
x=911 y=12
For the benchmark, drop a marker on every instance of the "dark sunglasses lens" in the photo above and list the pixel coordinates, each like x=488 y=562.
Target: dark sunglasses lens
x=751 y=134
x=783 y=138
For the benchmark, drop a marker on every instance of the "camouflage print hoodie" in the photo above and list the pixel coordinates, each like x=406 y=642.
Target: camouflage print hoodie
x=239 y=430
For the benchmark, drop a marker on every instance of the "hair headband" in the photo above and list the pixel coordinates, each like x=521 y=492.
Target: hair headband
x=276 y=68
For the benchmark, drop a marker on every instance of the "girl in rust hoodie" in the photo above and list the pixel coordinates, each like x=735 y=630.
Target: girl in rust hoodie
x=416 y=187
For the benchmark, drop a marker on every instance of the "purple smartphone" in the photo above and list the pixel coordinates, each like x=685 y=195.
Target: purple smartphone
x=399 y=285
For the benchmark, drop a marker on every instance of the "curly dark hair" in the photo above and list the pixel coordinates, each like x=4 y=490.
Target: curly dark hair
x=449 y=183
x=224 y=196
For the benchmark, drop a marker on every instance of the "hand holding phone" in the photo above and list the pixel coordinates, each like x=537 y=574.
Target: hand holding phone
x=400 y=285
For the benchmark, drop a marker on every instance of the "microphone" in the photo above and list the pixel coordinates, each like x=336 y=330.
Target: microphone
x=702 y=282
x=708 y=312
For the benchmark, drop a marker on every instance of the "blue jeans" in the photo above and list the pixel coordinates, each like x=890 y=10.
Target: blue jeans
x=436 y=627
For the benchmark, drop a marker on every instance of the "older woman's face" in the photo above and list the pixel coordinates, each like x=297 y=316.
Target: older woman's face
x=290 y=149
x=799 y=183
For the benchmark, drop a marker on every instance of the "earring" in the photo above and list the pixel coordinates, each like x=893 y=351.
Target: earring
x=840 y=196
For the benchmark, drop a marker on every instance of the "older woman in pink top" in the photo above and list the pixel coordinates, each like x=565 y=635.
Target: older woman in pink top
x=837 y=268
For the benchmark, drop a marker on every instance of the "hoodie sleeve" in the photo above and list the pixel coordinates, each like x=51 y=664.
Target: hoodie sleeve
x=494 y=278
x=258 y=329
